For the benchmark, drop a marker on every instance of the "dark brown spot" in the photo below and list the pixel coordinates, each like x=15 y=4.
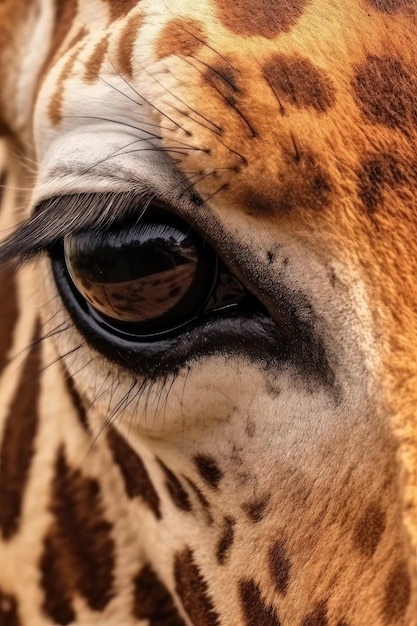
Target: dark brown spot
x=298 y=82
x=223 y=79
x=208 y=470
x=192 y=589
x=79 y=552
x=380 y=172
x=135 y=475
x=318 y=617
x=397 y=593
x=226 y=540
x=57 y=581
x=3 y=180
x=182 y=37
x=18 y=444
x=256 y=509
x=255 y=611
x=65 y=14
x=120 y=8
x=392 y=6
x=280 y=566
x=201 y=498
x=9 y=314
x=175 y=489
x=385 y=90
x=9 y=613
x=57 y=98
x=305 y=185
x=369 y=529
x=266 y=18
x=95 y=61
x=153 y=601
x=126 y=45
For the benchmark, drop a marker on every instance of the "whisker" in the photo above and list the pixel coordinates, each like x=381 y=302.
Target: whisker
x=193 y=183
x=109 y=119
x=206 y=45
x=281 y=107
x=218 y=130
x=35 y=342
x=167 y=395
x=117 y=153
x=153 y=106
x=225 y=186
x=228 y=100
x=54 y=361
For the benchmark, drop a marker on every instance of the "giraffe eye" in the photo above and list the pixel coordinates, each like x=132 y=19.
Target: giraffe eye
x=143 y=280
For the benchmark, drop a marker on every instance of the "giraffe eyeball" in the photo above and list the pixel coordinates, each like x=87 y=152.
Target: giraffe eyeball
x=145 y=279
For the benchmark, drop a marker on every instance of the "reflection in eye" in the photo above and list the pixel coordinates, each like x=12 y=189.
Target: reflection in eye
x=136 y=274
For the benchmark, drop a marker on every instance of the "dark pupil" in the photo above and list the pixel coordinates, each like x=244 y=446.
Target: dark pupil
x=148 y=274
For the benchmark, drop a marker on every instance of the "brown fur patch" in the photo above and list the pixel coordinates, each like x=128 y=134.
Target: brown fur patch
x=383 y=171
x=134 y=472
x=9 y=612
x=182 y=37
x=94 y=63
x=18 y=444
x=392 y=6
x=57 y=582
x=126 y=45
x=298 y=82
x=177 y=492
x=120 y=8
x=202 y=499
x=305 y=185
x=369 y=529
x=3 y=179
x=153 y=601
x=254 y=609
x=264 y=18
x=280 y=566
x=385 y=90
x=224 y=79
x=255 y=509
x=226 y=540
x=65 y=14
x=208 y=470
x=9 y=314
x=79 y=552
x=200 y=496
x=57 y=99
x=193 y=591
x=397 y=593
x=318 y=617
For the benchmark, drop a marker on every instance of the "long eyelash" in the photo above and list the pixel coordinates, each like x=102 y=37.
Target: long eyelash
x=51 y=333
x=225 y=186
x=59 y=358
x=61 y=216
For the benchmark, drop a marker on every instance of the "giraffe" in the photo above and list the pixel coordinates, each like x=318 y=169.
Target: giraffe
x=229 y=440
